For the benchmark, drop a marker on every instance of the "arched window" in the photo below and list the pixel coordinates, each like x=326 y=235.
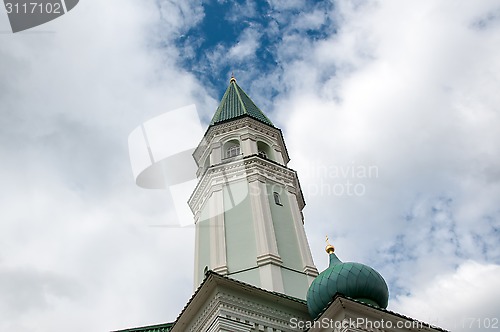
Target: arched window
x=264 y=150
x=232 y=149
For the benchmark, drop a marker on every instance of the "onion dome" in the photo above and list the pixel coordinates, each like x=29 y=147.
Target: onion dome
x=354 y=280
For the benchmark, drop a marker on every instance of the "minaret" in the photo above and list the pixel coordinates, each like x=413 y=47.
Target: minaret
x=248 y=204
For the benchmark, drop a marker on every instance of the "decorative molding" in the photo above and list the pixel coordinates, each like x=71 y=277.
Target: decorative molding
x=269 y=259
x=311 y=271
x=241 y=169
x=249 y=136
x=223 y=270
x=240 y=312
x=216 y=132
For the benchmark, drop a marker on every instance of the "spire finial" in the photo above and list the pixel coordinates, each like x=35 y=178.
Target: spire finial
x=329 y=248
x=232 y=78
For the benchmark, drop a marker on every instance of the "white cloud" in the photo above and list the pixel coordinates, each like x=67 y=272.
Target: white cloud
x=241 y=11
x=410 y=89
x=465 y=300
x=247 y=44
x=309 y=20
x=76 y=247
x=178 y=16
x=286 y=5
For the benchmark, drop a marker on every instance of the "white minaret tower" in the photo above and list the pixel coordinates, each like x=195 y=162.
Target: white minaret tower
x=248 y=204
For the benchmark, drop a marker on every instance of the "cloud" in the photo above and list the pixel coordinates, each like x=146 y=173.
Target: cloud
x=287 y=5
x=409 y=90
x=24 y=290
x=460 y=301
x=77 y=247
x=312 y=20
x=406 y=89
x=247 y=44
x=178 y=17
x=241 y=11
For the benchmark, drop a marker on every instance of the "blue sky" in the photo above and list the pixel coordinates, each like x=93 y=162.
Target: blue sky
x=409 y=89
x=247 y=28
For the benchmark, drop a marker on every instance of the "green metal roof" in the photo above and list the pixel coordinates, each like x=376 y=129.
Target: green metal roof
x=166 y=327
x=354 y=280
x=431 y=327
x=235 y=103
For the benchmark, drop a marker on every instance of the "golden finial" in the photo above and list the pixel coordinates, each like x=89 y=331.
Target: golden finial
x=232 y=78
x=329 y=248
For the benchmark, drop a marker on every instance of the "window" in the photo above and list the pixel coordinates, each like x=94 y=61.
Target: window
x=233 y=151
x=277 y=199
x=265 y=151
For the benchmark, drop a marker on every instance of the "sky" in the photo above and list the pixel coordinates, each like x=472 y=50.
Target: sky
x=390 y=113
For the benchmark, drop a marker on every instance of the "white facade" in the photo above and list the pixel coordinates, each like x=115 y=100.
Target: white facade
x=225 y=305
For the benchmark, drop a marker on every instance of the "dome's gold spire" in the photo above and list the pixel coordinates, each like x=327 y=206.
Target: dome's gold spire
x=329 y=248
x=233 y=79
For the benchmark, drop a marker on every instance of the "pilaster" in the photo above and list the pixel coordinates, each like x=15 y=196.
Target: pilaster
x=264 y=229
x=248 y=144
x=305 y=252
x=218 y=255
x=215 y=153
x=278 y=155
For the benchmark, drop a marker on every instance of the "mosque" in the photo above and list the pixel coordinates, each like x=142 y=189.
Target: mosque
x=253 y=267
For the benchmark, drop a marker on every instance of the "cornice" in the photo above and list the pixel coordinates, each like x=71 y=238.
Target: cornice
x=241 y=169
x=238 y=307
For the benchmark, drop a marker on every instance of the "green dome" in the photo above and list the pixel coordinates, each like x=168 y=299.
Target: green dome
x=354 y=280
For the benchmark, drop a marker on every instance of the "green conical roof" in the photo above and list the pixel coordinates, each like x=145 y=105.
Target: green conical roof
x=235 y=103
x=355 y=280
